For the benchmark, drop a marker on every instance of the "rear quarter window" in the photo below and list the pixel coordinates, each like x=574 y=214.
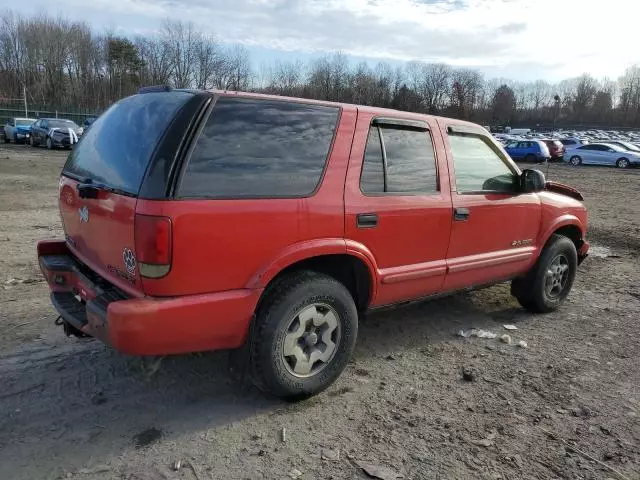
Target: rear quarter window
x=117 y=148
x=251 y=148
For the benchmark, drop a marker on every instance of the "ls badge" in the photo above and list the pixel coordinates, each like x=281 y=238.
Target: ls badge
x=522 y=243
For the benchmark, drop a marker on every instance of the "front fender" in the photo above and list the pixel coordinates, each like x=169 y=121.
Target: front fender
x=559 y=222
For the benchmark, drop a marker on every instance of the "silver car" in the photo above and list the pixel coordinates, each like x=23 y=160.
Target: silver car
x=602 y=154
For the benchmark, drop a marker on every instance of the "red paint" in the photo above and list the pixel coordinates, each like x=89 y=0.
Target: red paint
x=223 y=253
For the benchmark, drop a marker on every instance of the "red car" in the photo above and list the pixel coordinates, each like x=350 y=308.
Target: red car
x=206 y=220
x=556 y=149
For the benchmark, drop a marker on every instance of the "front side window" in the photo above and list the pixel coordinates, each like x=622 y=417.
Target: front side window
x=399 y=160
x=478 y=165
x=260 y=148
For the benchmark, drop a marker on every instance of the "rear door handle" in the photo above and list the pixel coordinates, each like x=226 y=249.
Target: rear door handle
x=367 y=220
x=461 y=214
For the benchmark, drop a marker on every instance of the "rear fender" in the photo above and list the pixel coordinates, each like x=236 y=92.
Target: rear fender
x=315 y=248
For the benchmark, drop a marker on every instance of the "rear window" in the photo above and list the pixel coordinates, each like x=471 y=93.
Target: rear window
x=117 y=148
x=260 y=148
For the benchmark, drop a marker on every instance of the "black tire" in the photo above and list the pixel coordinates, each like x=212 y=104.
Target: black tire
x=531 y=290
x=15 y=138
x=622 y=163
x=6 y=139
x=271 y=370
x=531 y=158
x=33 y=144
x=49 y=143
x=575 y=160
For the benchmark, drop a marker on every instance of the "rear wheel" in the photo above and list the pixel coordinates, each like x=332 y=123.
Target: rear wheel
x=622 y=163
x=531 y=158
x=33 y=144
x=303 y=336
x=546 y=286
x=575 y=160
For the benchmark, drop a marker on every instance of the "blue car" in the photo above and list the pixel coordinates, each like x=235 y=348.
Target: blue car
x=528 y=150
x=17 y=130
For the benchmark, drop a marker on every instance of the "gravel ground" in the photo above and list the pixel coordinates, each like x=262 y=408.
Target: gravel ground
x=567 y=406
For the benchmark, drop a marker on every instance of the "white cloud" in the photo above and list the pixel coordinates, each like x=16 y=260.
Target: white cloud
x=566 y=36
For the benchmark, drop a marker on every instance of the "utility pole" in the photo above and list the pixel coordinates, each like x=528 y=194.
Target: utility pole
x=24 y=95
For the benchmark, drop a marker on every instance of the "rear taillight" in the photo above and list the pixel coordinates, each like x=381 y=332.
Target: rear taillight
x=153 y=245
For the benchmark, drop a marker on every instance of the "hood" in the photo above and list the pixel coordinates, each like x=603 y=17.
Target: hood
x=22 y=128
x=563 y=189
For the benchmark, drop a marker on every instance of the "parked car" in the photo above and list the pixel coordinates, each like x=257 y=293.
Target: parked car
x=625 y=145
x=88 y=122
x=198 y=221
x=55 y=132
x=529 y=151
x=573 y=142
x=603 y=154
x=556 y=149
x=18 y=129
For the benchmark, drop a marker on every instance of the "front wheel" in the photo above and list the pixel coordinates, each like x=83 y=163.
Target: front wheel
x=622 y=163
x=575 y=160
x=49 y=143
x=304 y=334
x=548 y=284
x=33 y=144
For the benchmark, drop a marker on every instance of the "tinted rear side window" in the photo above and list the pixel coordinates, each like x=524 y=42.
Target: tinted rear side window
x=260 y=148
x=410 y=162
x=117 y=148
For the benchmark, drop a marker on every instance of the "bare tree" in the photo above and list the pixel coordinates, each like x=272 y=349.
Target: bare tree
x=181 y=39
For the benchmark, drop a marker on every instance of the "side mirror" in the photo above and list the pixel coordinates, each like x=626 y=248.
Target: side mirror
x=532 y=180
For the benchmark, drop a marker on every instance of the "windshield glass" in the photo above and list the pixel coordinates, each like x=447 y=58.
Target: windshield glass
x=24 y=122
x=59 y=123
x=117 y=148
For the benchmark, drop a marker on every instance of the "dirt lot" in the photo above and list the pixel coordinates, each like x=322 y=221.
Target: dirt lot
x=567 y=406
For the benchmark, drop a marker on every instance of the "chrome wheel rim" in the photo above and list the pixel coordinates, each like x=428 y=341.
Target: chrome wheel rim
x=556 y=276
x=575 y=161
x=312 y=339
x=624 y=163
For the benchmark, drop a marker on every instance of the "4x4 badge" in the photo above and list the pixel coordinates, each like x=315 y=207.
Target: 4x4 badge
x=84 y=214
x=129 y=260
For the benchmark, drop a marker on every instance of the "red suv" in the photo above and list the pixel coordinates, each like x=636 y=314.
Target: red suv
x=556 y=149
x=206 y=220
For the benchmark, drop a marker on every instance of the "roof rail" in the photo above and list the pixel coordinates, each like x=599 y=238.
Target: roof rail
x=155 y=88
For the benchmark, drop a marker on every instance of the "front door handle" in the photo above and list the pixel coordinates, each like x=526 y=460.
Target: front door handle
x=367 y=220
x=461 y=214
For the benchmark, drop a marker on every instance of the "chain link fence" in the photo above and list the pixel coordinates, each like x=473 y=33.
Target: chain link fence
x=10 y=108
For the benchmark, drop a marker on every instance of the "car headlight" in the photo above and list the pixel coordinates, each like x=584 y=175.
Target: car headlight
x=80 y=131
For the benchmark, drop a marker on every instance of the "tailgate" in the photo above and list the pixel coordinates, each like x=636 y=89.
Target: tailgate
x=100 y=231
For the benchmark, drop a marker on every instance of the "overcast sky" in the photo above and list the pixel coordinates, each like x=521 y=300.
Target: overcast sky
x=519 y=39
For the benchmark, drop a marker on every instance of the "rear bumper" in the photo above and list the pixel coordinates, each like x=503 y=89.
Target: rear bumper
x=144 y=326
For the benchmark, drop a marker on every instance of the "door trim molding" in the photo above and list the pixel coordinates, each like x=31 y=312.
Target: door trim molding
x=413 y=272
x=491 y=259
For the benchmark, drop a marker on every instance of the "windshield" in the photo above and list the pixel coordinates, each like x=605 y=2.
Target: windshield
x=24 y=122
x=117 y=148
x=58 y=123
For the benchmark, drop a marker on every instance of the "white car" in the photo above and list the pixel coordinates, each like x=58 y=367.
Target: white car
x=602 y=154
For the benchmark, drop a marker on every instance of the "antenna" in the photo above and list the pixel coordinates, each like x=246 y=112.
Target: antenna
x=547 y=174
